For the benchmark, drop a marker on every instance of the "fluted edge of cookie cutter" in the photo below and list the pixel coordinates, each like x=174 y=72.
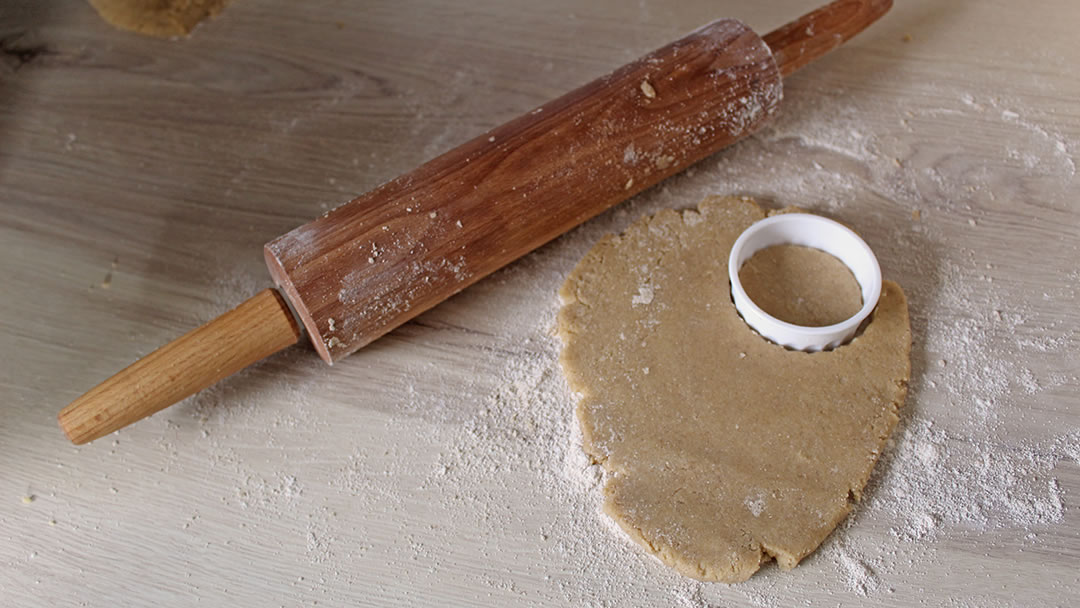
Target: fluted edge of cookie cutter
x=819 y=233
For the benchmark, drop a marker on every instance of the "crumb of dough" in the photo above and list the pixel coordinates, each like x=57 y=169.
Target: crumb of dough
x=159 y=18
x=647 y=89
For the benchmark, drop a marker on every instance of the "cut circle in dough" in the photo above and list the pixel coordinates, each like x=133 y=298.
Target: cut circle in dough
x=800 y=285
x=722 y=450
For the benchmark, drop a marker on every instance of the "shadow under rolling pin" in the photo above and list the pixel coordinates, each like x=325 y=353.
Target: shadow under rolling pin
x=379 y=260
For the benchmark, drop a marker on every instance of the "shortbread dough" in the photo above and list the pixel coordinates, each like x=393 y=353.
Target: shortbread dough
x=801 y=285
x=723 y=450
x=160 y=18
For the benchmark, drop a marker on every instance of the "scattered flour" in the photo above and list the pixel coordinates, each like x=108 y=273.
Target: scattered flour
x=992 y=357
x=951 y=471
x=644 y=296
x=756 y=504
x=509 y=442
x=857 y=573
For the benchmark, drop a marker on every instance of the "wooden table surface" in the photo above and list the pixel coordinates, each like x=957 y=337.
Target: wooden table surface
x=139 y=179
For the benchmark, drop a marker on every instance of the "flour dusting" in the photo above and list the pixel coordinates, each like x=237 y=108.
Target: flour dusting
x=500 y=458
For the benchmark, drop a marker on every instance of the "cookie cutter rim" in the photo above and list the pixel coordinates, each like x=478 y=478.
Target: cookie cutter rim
x=819 y=233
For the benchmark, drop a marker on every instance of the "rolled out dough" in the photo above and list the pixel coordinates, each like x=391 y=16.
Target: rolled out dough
x=723 y=450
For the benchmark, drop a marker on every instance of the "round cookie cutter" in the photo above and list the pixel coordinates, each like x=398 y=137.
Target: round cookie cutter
x=819 y=233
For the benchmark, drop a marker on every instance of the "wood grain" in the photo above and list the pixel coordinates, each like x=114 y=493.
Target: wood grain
x=796 y=44
x=719 y=84
x=374 y=263
x=256 y=329
x=383 y=258
x=294 y=484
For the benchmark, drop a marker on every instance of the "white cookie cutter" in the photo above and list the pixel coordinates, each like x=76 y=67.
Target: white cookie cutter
x=810 y=231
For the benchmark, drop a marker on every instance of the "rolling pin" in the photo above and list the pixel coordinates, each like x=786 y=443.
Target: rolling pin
x=379 y=260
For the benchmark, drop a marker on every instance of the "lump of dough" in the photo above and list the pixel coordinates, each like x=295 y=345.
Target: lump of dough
x=723 y=450
x=161 y=18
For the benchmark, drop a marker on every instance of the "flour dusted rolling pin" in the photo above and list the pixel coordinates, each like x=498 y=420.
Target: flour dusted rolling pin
x=372 y=264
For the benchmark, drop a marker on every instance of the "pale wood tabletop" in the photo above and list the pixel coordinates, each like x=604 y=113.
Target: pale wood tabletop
x=139 y=179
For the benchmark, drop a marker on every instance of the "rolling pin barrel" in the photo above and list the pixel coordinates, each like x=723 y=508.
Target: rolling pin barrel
x=381 y=259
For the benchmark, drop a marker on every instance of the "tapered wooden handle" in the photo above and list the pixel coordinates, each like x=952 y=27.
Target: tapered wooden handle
x=809 y=37
x=259 y=327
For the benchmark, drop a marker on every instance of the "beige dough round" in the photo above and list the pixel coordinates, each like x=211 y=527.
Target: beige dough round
x=723 y=450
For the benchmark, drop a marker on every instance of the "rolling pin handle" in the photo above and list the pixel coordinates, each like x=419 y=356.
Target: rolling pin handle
x=816 y=33
x=258 y=328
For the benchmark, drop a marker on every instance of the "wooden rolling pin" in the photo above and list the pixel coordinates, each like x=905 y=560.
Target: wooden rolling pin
x=372 y=264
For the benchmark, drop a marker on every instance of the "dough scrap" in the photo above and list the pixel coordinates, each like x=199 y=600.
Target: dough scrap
x=723 y=450
x=160 y=18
